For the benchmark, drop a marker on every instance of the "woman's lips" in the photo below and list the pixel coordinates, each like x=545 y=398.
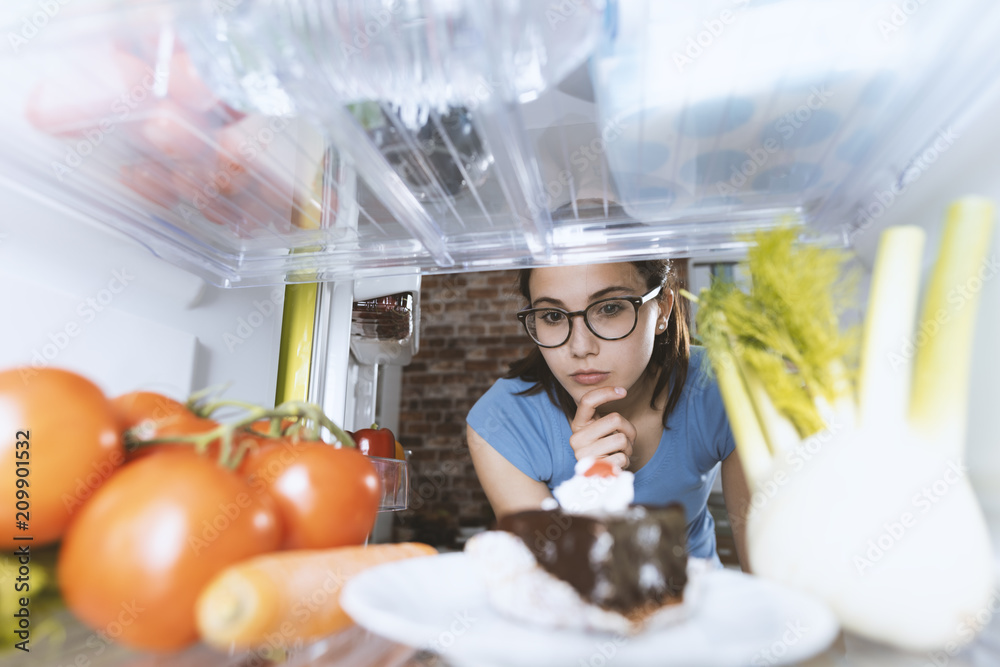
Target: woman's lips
x=590 y=377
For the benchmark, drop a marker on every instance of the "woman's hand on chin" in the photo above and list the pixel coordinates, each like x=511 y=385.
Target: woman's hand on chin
x=610 y=436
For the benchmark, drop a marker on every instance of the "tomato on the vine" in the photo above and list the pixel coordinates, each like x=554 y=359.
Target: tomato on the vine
x=178 y=426
x=139 y=407
x=139 y=553
x=149 y=415
x=263 y=426
x=59 y=435
x=326 y=496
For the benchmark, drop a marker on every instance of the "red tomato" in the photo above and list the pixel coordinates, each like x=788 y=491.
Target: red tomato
x=150 y=181
x=76 y=97
x=151 y=415
x=174 y=133
x=263 y=426
x=187 y=86
x=254 y=447
x=60 y=427
x=136 y=407
x=196 y=186
x=177 y=425
x=139 y=553
x=326 y=496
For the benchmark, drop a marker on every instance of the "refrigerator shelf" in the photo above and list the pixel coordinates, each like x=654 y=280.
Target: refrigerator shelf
x=301 y=141
x=67 y=641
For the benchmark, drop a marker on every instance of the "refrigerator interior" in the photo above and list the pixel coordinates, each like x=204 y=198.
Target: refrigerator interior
x=84 y=297
x=158 y=153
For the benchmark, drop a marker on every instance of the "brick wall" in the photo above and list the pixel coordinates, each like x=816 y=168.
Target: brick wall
x=468 y=336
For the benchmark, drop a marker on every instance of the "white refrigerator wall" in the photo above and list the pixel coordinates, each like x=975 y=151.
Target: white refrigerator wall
x=79 y=296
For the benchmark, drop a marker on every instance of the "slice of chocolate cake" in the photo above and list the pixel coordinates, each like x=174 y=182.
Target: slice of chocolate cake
x=589 y=559
x=632 y=563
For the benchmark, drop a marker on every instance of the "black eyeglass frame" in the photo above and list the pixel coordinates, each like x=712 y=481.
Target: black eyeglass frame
x=636 y=301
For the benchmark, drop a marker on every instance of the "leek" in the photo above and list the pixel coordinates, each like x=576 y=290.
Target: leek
x=873 y=512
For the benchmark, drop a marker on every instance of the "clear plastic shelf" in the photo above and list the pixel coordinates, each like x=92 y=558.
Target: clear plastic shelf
x=728 y=109
x=276 y=142
x=67 y=639
x=118 y=122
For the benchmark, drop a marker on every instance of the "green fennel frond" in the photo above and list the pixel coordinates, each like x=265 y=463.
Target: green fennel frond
x=785 y=326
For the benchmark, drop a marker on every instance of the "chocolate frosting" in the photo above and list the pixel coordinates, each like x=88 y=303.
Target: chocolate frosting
x=629 y=564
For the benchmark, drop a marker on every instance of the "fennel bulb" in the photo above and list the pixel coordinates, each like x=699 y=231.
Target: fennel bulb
x=874 y=513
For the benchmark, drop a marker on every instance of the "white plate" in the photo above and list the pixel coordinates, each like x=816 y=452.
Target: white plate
x=439 y=603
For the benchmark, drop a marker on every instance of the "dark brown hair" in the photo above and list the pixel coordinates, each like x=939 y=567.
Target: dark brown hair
x=671 y=349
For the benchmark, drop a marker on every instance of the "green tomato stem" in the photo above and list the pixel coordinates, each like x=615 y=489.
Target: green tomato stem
x=310 y=418
x=195 y=402
x=207 y=409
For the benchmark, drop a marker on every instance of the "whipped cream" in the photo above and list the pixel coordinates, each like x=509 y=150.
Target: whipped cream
x=517 y=587
x=596 y=495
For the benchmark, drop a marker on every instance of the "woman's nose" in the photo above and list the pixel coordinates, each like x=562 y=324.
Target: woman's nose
x=582 y=341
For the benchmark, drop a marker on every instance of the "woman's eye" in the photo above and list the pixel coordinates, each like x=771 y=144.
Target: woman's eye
x=610 y=309
x=551 y=317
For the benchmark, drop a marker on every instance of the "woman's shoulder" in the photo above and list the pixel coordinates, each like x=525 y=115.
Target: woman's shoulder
x=512 y=394
x=509 y=388
x=701 y=391
x=699 y=375
x=705 y=411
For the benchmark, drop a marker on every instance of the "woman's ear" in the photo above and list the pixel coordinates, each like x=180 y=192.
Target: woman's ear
x=666 y=306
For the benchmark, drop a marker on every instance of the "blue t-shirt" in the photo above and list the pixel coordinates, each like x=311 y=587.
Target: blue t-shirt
x=533 y=434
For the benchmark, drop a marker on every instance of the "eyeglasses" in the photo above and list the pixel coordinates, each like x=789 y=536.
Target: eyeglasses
x=608 y=319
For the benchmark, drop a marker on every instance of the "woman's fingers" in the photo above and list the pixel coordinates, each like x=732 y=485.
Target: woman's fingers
x=619 y=459
x=611 y=433
x=609 y=436
x=603 y=446
x=605 y=426
x=592 y=400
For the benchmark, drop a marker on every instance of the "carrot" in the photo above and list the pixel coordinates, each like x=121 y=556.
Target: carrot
x=285 y=598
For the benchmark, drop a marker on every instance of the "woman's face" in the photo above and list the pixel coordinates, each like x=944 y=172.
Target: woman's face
x=586 y=362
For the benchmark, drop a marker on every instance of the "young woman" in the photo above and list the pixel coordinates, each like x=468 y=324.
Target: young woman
x=614 y=376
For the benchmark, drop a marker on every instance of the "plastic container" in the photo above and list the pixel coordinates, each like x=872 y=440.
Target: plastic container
x=216 y=132
x=107 y=112
x=424 y=97
x=395 y=477
x=735 y=109
x=281 y=141
x=414 y=55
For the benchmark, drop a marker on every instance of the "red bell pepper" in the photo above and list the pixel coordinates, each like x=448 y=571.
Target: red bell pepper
x=376 y=441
